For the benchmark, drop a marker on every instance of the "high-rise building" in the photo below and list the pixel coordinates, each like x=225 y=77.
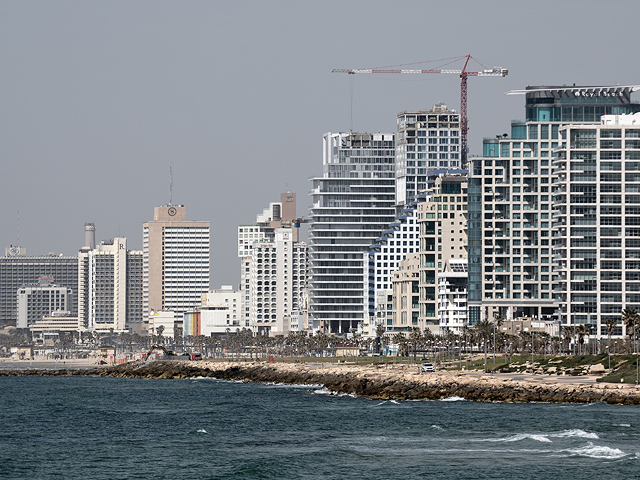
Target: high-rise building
x=109 y=287
x=427 y=142
x=442 y=217
x=353 y=202
x=597 y=223
x=40 y=300
x=278 y=279
x=397 y=241
x=510 y=201
x=277 y=215
x=176 y=261
x=17 y=270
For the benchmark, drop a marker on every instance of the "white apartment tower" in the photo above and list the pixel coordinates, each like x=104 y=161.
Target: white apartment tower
x=428 y=142
x=176 y=262
x=277 y=215
x=277 y=283
x=397 y=241
x=353 y=202
x=596 y=223
x=510 y=201
x=452 y=296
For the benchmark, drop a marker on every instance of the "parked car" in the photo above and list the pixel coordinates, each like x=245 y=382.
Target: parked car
x=428 y=367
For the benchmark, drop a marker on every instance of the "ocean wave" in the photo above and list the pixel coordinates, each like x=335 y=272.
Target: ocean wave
x=453 y=399
x=202 y=430
x=523 y=436
x=437 y=427
x=621 y=424
x=596 y=451
x=388 y=401
x=322 y=391
x=574 y=433
x=544 y=437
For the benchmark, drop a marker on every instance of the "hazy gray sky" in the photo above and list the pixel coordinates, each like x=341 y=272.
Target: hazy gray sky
x=98 y=99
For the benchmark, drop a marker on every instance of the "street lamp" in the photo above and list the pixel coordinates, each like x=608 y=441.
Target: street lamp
x=609 y=353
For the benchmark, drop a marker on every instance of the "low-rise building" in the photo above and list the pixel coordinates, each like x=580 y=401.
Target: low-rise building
x=452 y=295
x=47 y=330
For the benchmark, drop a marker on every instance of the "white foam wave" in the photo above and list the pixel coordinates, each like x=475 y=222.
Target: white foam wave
x=202 y=430
x=546 y=437
x=597 y=451
x=574 y=433
x=323 y=391
x=453 y=399
x=437 y=427
x=525 y=436
x=621 y=424
x=387 y=401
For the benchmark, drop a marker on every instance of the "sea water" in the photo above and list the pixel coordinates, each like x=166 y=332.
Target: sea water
x=112 y=428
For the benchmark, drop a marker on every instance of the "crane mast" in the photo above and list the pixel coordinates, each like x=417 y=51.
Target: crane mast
x=464 y=74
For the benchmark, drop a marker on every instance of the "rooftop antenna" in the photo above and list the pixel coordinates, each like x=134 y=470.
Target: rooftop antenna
x=170 y=184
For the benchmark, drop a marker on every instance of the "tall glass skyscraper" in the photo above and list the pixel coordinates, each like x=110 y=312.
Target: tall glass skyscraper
x=353 y=202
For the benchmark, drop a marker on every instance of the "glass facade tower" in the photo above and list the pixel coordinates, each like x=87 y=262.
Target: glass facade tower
x=510 y=201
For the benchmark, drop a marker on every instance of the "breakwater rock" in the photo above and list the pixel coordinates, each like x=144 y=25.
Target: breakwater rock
x=366 y=381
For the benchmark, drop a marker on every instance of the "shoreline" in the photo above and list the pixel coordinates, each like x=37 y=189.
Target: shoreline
x=376 y=382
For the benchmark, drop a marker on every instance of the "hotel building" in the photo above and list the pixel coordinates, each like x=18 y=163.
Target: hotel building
x=110 y=287
x=176 y=261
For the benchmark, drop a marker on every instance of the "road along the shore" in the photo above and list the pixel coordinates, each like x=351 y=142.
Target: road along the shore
x=371 y=381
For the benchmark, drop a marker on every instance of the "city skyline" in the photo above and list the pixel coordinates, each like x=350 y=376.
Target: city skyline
x=99 y=100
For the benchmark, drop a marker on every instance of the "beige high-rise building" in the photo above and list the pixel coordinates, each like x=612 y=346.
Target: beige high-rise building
x=443 y=237
x=176 y=260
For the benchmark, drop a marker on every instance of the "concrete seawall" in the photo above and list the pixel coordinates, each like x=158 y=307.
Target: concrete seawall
x=368 y=381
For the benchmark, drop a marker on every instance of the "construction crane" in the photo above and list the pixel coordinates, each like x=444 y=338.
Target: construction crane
x=464 y=74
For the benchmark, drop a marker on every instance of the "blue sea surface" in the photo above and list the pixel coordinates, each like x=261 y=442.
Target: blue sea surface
x=112 y=428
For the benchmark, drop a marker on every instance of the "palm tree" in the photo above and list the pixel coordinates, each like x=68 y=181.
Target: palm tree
x=582 y=331
x=483 y=329
x=159 y=331
x=630 y=318
x=611 y=324
x=401 y=341
x=568 y=333
x=415 y=336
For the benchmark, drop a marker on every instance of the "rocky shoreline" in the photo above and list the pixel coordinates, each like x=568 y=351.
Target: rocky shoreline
x=371 y=381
